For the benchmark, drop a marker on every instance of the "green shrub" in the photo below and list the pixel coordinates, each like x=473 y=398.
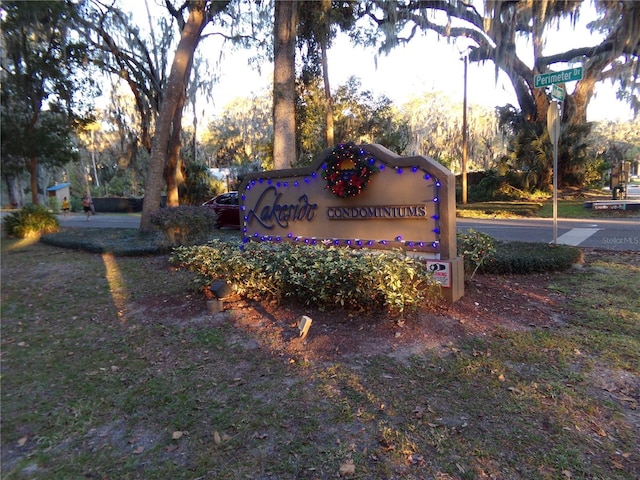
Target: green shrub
x=198 y=186
x=530 y=257
x=185 y=225
x=30 y=221
x=76 y=204
x=325 y=277
x=485 y=189
x=54 y=205
x=483 y=254
x=477 y=248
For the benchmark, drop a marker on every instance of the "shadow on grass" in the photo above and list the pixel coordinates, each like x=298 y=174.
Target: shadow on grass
x=120 y=241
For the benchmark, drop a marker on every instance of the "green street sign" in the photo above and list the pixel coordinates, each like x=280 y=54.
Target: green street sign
x=546 y=79
x=558 y=93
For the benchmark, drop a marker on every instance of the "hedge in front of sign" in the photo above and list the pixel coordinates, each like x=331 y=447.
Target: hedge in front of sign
x=321 y=276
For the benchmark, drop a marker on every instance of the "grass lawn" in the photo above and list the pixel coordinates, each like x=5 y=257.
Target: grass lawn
x=109 y=372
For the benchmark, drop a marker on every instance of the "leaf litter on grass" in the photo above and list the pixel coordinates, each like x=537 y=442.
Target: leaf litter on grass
x=87 y=391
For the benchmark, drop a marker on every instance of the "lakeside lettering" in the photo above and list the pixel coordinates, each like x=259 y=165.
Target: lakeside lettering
x=269 y=212
x=386 y=212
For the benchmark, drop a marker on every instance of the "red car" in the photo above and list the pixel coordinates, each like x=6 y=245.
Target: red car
x=227 y=207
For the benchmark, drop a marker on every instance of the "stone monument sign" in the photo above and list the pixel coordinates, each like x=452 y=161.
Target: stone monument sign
x=360 y=196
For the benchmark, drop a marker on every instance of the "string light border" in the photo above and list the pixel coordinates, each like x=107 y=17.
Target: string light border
x=396 y=241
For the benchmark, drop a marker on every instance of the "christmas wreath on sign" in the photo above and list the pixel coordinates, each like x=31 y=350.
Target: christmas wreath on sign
x=348 y=170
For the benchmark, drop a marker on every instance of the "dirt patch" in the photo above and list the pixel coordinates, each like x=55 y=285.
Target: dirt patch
x=490 y=302
x=515 y=302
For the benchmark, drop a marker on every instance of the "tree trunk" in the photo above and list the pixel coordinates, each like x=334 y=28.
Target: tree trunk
x=14 y=189
x=284 y=84
x=182 y=61
x=327 y=96
x=33 y=174
x=172 y=171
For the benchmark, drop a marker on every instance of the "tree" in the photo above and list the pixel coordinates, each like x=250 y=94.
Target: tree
x=311 y=119
x=112 y=142
x=126 y=53
x=435 y=124
x=319 y=22
x=530 y=156
x=198 y=187
x=141 y=61
x=496 y=32
x=614 y=142
x=172 y=103
x=242 y=136
x=126 y=160
x=362 y=118
x=201 y=82
x=42 y=87
x=284 y=83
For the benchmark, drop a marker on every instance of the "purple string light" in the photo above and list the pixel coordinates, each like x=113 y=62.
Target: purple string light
x=349 y=242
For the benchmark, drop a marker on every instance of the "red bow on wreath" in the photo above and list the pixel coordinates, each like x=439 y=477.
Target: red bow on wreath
x=349 y=182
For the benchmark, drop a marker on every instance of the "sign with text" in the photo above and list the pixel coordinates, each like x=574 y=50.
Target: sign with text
x=547 y=79
x=557 y=92
x=441 y=272
x=363 y=198
x=610 y=206
x=360 y=196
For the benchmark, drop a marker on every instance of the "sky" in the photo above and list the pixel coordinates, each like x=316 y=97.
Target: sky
x=425 y=64
x=421 y=66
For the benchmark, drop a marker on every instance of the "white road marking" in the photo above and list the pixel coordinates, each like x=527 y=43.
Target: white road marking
x=576 y=236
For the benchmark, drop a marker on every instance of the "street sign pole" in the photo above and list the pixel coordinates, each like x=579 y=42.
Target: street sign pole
x=552 y=79
x=553 y=126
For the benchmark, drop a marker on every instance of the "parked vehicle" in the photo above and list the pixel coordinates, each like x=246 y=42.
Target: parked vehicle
x=227 y=207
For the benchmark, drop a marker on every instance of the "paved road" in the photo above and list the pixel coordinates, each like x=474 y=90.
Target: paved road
x=101 y=220
x=610 y=234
